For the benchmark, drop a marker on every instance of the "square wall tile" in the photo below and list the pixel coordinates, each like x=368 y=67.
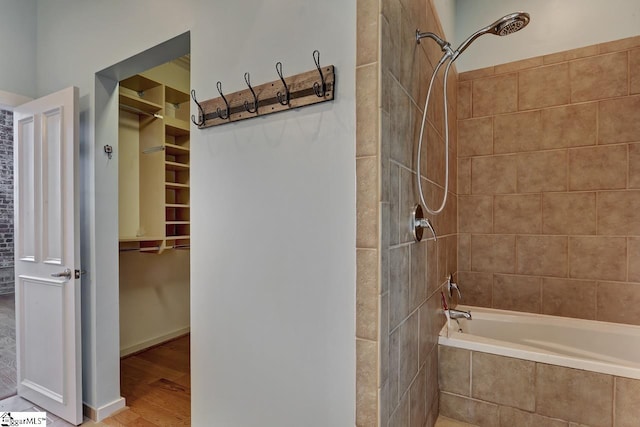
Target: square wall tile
x=542 y=255
x=599 y=77
x=574 y=395
x=464 y=176
x=475 y=137
x=433 y=153
x=517 y=132
x=384 y=343
x=367 y=294
x=618 y=45
x=493 y=253
x=542 y=171
x=367 y=110
x=494 y=95
x=599 y=258
x=494 y=175
x=468 y=410
x=432 y=379
x=366 y=383
x=464 y=252
x=618 y=120
x=569 y=298
x=409 y=346
x=523 y=64
x=418 y=399
x=633 y=246
x=543 y=87
x=503 y=380
x=399 y=287
x=517 y=214
x=367 y=31
x=431 y=321
x=627 y=412
x=517 y=293
x=511 y=417
x=618 y=213
x=598 y=168
x=634 y=68
x=400 y=414
x=367 y=202
x=418 y=287
x=569 y=213
x=476 y=288
x=570 y=126
x=568 y=55
x=454 y=370
x=613 y=295
x=634 y=165
x=475 y=214
x=401 y=110
x=476 y=74
x=464 y=100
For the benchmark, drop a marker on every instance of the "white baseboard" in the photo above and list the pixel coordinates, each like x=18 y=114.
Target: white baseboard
x=105 y=411
x=154 y=341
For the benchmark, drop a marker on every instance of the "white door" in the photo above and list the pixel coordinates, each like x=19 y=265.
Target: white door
x=47 y=254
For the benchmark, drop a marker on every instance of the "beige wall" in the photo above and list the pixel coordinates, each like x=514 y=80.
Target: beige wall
x=398 y=315
x=549 y=183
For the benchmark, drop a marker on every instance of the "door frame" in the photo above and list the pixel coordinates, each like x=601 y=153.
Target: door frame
x=99 y=221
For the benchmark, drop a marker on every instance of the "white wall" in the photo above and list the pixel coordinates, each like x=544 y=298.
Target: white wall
x=556 y=25
x=18 y=47
x=154 y=298
x=273 y=204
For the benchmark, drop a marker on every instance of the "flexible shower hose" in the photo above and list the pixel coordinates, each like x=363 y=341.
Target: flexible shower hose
x=446 y=137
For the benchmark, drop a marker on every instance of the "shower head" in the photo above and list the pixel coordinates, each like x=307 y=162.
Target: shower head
x=506 y=25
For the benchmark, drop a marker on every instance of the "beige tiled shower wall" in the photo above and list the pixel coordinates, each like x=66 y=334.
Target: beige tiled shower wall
x=490 y=390
x=549 y=184
x=398 y=280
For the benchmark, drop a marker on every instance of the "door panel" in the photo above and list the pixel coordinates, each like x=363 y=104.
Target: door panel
x=48 y=345
x=25 y=173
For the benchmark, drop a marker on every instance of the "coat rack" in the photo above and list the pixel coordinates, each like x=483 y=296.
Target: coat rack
x=311 y=87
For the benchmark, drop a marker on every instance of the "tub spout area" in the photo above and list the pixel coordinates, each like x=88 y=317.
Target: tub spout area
x=459 y=314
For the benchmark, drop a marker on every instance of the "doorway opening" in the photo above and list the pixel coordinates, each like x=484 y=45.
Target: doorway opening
x=154 y=241
x=141 y=130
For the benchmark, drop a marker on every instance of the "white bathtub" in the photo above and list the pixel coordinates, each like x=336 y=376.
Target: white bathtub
x=608 y=348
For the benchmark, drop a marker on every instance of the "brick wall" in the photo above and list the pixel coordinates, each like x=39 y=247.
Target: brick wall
x=6 y=202
x=549 y=184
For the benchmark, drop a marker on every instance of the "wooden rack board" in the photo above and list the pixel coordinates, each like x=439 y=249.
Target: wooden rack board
x=303 y=90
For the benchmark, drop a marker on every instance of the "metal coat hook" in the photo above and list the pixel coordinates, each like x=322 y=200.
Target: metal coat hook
x=201 y=120
x=255 y=98
x=219 y=86
x=282 y=99
x=319 y=90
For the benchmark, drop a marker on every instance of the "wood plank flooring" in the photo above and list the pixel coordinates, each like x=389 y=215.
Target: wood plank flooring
x=157 y=387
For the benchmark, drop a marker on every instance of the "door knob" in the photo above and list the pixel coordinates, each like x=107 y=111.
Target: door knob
x=66 y=274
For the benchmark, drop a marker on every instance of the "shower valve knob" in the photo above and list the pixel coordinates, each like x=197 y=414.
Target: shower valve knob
x=419 y=223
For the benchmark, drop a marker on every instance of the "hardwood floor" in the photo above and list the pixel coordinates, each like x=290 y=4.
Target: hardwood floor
x=157 y=387
x=156 y=384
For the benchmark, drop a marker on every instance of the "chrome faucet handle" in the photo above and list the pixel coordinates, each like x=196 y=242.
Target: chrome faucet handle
x=419 y=222
x=451 y=286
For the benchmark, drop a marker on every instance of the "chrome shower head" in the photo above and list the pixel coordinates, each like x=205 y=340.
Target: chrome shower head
x=506 y=25
x=510 y=23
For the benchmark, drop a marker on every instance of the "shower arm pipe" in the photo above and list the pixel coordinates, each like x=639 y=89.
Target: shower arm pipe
x=446 y=133
x=444 y=45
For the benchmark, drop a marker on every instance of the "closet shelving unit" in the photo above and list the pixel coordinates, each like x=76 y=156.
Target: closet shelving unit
x=164 y=159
